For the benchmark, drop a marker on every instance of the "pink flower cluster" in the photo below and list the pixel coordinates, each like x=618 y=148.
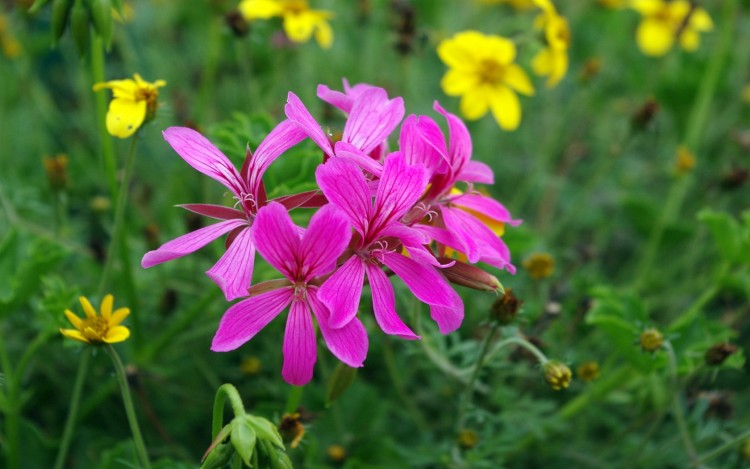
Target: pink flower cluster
x=378 y=211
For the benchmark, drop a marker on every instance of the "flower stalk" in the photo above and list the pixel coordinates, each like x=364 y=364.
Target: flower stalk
x=75 y=400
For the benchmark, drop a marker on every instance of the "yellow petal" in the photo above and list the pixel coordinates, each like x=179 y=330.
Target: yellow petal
x=119 y=315
x=516 y=78
x=654 y=37
x=299 y=27
x=75 y=320
x=120 y=88
x=457 y=82
x=124 y=117
x=460 y=51
x=690 y=40
x=324 y=34
x=505 y=108
x=499 y=49
x=74 y=334
x=542 y=63
x=646 y=7
x=117 y=334
x=87 y=308
x=475 y=103
x=106 y=307
x=701 y=21
x=259 y=9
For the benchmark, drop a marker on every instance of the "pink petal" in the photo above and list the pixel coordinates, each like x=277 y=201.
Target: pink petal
x=189 y=242
x=486 y=206
x=203 y=156
x=219 y=212
x=401 y=185
x=352 y=153
x=372 y=118
x=384 y=305
x=344 y=185
x=456 y=223
x=234 y=271
x=299 y=345
x=424 y=281
x=283 y=137
x=298 y=113
x=309 y=199
x=491 y=248
x=349 y=343
x=476 y=172
x=327 y=236
x=335 y=98
x=460 y=147
x=448 y=319
x=342 y=291
x=278 y=239
x=416 y=132
x=245 y=319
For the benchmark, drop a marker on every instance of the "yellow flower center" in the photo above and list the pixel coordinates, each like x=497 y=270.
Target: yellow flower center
x=491 y=72
x=295 y=6
x=94 y=329
x=150 y=95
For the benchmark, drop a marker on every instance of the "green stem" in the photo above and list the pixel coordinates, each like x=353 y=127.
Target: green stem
x=118 y=228
x=677 y=408
x=469 y=390
x=210 y=66
x=293 y=399
x=521 y=342
x=75 y=400
x=225 y=391
x=13 y=413
x=127 y=401
x=108 y=149
x=726 y=446
x=391 y=367
x=696 y=123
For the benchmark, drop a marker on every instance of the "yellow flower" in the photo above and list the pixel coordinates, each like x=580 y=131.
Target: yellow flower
x=482 y=71
x=539 y=265
x=614 y=3
x=588 y=371
x=684 y=161
x=552 y=61
x=97 y=329
x=664 y=22
x=8 y=43
x=134 y=103
x=651 y=340
x=557 y=375
x=300 y=22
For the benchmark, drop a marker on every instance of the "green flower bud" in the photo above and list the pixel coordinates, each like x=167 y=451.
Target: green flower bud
x=651 y=340
x=557 y=375
x=101 y=14
x=243 y=438
x=218 y=457
x=79 y=25
x=59 y=20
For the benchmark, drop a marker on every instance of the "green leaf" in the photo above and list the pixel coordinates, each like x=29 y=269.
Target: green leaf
x=342 y=377
x=243 y=438
x=725 y=231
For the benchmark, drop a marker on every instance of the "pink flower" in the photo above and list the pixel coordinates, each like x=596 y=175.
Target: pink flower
x=464 y=217
x=378 y=241
x=302 y=259
x=372 y=118
x=233 y=272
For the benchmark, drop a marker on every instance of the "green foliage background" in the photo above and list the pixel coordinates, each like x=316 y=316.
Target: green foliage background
x=635 y=244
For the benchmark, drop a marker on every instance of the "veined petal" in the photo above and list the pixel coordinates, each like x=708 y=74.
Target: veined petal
x=298 y=113
x=506 y=108
x=461 y=233
x=234 y=270
x=460 y=148
x=372 y=118
x=342 y=292
x=354 y=154
x=245 y=319
x=125 y=116
x=218 y=212
x=401 y=186
x=349 y=343
x=325 y=239
x=384 y=305
x=424 y=281
x=478 y=172
x=299 y=345
x=491 y=248
x=277 y=239
x=345 y=186
x=203 y=156
x=422 y=142
x=486 y=206
x=447 y=318
x=189 y=242
x=335 y=98
x=283 y=137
